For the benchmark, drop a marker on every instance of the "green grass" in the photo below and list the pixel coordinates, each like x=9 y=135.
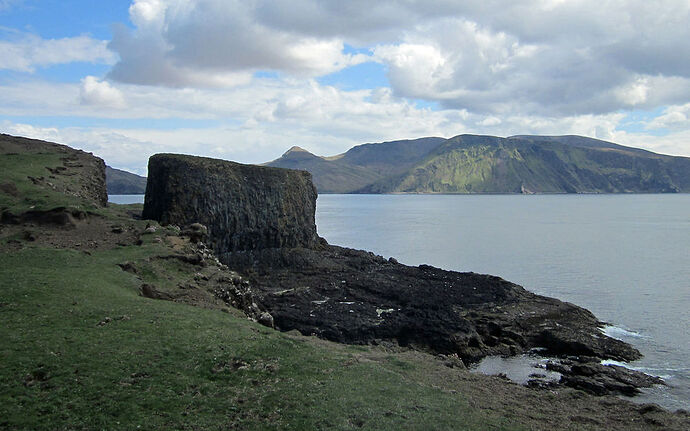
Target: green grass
x=162 y=365
x=17 y=168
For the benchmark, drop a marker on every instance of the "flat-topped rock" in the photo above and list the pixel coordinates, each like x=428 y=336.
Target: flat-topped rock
x=244 y=207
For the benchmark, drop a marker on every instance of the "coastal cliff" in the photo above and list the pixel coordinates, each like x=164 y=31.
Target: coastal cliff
x=123 y=310
x=261 y=224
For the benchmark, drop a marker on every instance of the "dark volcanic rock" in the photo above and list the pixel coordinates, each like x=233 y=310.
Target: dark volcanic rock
x=244 y=207
x=602 y=379
x=261 y=223
x=353 y=296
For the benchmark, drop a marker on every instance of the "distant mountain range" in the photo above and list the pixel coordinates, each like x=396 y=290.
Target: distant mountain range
x=119 y=182
x=489 y=164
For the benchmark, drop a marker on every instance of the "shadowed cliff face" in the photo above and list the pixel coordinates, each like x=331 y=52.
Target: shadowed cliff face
x=244 y=207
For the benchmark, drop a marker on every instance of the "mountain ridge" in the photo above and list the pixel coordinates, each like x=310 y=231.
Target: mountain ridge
x=121 y=182
x=470 y=163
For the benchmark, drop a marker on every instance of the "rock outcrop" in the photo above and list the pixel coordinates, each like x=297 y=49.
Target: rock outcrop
x=353 y=296
x=261 y=224
x=244 y=207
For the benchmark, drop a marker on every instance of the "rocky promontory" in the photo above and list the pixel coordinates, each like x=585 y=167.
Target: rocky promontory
x=261 y=223
x=115 y=308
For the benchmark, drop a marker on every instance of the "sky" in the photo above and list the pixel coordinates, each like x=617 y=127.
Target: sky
x=245 y=80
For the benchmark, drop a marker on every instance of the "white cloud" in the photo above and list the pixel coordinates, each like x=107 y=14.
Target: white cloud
x=258 y=122
x=100 y=93
x=634 y=93
x=673 y=118
x=215 y=43
x=675 y=143
x=29 y=52
x=538 y=57
x=143 y=12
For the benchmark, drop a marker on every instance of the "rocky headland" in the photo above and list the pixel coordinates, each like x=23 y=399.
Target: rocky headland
x=111 y=320
x=260 y=223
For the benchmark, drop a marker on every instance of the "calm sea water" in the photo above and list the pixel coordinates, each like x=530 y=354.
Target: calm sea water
x=126 y=199
x=624 y=257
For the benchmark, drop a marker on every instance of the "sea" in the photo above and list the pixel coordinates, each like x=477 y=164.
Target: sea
x=625 y=257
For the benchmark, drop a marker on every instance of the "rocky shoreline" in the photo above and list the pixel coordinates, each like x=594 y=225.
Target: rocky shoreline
x=260 y=223
x=419 y=326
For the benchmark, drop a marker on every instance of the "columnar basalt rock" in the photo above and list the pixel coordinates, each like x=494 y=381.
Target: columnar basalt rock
x=244 y=207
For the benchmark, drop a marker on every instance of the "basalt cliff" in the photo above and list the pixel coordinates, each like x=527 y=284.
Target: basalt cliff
x=244 y=207
x=260 y=222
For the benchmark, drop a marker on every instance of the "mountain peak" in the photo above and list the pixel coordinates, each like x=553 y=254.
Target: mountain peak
x=489 y=164
x=296 y=149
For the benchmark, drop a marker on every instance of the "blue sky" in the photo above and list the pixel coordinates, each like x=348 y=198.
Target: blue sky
x=245 y=81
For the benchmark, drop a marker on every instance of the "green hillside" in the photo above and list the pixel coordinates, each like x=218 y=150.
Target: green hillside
x=121 y=182
x=389 y=158
x=484 y=164
x=358 y=167
x=328 y=176
x=489 y=164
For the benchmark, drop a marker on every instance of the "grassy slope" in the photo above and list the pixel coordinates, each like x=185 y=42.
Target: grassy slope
x=160 y=364
x=390 y=158
x=81 y=349
x=17 y=168
x=121 y=182
x=491 y=165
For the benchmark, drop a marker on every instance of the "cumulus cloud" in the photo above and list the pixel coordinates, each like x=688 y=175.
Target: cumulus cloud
x=27 y=52
x=100 y=93
x=536 y=56
x=673 y=118
x=215 y=43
